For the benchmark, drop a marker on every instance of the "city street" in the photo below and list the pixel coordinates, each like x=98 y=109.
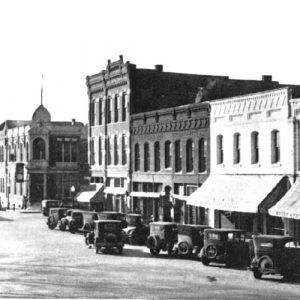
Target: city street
x=36 y=262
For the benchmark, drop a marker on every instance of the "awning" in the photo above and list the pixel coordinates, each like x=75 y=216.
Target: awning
x=180 y=197
x=90 y=196
x=289 y=205
x=242 y=193
x=145 y=194
x=115 y=190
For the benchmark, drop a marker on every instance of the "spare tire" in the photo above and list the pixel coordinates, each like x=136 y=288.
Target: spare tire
x=152 y=241
x=183 y=248
x=110 y=238
x=211 y=251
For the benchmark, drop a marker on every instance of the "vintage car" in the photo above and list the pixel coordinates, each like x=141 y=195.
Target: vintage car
x=136 y=231
x=190 y=239
x=108 y=235
x=163 y=236
x=55 y=215
x=275 y=254
x=47 y=204
x=113 y=215
x=226 y=246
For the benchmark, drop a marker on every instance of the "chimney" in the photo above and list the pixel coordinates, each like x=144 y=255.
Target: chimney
x=121 y=58
x=158 y=68
x=266 y=78
x=73 y=121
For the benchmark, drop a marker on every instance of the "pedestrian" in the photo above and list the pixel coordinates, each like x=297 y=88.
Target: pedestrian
x=23 y=202
x=26 y=201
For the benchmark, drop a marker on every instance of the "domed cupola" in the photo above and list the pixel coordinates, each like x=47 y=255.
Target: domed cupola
x=41 y=114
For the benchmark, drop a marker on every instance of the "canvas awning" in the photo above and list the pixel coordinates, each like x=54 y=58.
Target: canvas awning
x=241 y=193
x=180 y=197
x=145 y=194
x=115 y=190
x=90 y=196
x=289 y=205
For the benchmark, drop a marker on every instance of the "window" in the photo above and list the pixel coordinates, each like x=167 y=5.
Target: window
x=178 y=156
x=108 y=110
x=220 y=153
x=275 y=146
x=168 y=154
x=236 y=148
x=1 y=154
x=27 y=151
x=146 y=157
x=92 y=152
x=254 y=147
x=137 y=158
x=108 y=151
x=202 y=155
x=123 y=107
x=66 y=150
x=156 y=157
x=100 y=111
x=74 y=150
x=92 y=113
x=100 y=151
x=116 y=108
x=124 y=160
x=189 y=155
x=39 y=149
x=21 y=152
x=116 y=153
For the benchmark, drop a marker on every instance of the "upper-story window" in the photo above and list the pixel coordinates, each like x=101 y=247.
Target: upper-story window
x=236 y=148
x=116 y=152
x=178 y=156
x=100 y=112
x=21 y=152
x=137 y=157
x=168 y=154
x=116 y=108
x=220 y=150
x=108 y=110
x=202 y=149
x=39 y=149
x=275 y=146
x=1 y=154
x=27 y=151
x=108 y=151
x=189 y=155
x=254 y=147
x=156 y=157
x=124 y=107
x=124 y=160
x=100 y=151
x=146 y=157
x=92 y=113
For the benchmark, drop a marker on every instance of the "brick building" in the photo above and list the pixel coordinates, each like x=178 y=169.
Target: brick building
x=41 y=159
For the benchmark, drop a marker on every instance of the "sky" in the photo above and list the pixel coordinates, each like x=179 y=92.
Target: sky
x=66 y=40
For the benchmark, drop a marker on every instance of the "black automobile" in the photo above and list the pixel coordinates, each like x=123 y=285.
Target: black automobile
x=47 y=204
x=55 y=215
x=163 y=236
x=275 y=254
x=226 y=246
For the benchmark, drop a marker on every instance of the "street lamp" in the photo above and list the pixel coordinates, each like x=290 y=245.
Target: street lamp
x=72 y=189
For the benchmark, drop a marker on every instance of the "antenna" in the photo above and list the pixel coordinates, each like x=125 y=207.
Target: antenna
x=42 y=89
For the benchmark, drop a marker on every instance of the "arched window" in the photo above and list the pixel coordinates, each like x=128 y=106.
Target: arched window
x=100 y=151
x=236 y=148
x=168 y=154
x=137 y=157
x=220 y=151
x=39 y=149
x=146 y=157
x=189 y=155
x=202 y=155
x=116 y=152
x=275 y=146
x=108 y=151
x=124 y=159
x=156 y=157
x=178 y=156
x=254 y=147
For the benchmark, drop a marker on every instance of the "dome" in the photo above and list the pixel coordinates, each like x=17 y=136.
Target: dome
x=41 y=114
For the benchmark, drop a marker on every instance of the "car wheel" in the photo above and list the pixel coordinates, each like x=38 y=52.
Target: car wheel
x=211 y=251
x=154 y=251
x=120 y=249
x=170 y=250
x=72 y=227
x=51 y=223
x=257 y=274
x=205 y=261
x=62 y=226
x=183 y=248
x=86 y=240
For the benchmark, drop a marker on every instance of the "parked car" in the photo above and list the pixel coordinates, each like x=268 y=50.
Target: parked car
x=108 y=235
x=190 y=239
x=227 y=246
x=55 y=215
x=136 y=231
x=113 y=215
x=47 y=204
x=72 y=221
x=275 y=254
x=163 y=236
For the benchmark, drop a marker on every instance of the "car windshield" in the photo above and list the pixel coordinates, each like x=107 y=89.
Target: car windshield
x=292 y=244
x=110 y=227
x=233 y=237
x=52 y=204
x=214 y=236
x=133 y=220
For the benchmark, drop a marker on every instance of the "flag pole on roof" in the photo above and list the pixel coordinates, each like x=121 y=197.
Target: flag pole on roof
x=42 y=89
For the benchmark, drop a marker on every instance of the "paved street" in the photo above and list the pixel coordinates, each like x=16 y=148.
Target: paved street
x=36 y=262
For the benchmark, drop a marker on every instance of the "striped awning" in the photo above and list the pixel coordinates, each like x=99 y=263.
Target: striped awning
x=90 y=196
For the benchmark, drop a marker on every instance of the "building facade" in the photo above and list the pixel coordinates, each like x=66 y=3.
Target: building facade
x=41 y=159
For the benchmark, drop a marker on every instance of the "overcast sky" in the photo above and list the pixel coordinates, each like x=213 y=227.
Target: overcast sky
x=67 y=39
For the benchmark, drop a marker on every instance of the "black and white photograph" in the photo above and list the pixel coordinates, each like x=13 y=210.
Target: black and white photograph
x=149 y=149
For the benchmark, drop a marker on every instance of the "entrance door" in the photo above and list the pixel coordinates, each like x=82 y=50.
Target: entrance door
x=36 y=187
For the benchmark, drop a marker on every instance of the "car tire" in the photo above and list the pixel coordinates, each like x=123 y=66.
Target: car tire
x=257 y=274
x=51 y=223
x=154 y=252
x=205 y=261
x=211 y=251
x=183 y=248
x=170 y=250
x=72 y=227
x=62 y=226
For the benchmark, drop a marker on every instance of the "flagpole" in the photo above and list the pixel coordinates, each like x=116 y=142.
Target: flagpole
x=42 y=90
